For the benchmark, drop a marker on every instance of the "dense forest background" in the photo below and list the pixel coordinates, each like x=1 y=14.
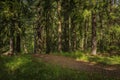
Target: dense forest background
x=48 y=26
x=60 y=39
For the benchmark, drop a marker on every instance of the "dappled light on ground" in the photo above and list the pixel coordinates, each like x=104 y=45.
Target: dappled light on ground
x=105 y=70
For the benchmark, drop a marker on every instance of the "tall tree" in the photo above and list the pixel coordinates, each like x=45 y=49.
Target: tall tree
x=94 y=29
x=48 y=25
x=59 y=25
x=94 y=35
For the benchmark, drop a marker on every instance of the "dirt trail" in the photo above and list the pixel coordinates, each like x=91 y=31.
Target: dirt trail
x=109 y=71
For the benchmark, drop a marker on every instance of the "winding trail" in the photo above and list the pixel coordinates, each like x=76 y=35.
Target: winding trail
x=107 y=71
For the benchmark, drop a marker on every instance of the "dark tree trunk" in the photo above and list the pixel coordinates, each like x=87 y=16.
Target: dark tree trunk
x=66 y=6
x=66 y=33
x=38 y=37
x=110 y=5
x=18 y=40
x=94 y=35
x=18 y=43
x=48 y=26
x=101 y=47
x=39 y=40
x=35 y=41
x=73 y=35
x=85 y=35
x=48 y=39
x=48 y=42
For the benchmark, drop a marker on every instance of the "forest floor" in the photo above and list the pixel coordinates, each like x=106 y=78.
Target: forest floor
x=105 y=70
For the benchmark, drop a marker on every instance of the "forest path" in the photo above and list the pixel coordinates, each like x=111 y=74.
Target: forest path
x=105 y=70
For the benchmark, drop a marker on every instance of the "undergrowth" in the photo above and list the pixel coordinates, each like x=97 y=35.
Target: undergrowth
x=25 y=67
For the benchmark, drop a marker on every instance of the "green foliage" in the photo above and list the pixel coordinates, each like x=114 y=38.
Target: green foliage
x=86 y=14
x=25 y=67
x=114 y=60
x=76 y=18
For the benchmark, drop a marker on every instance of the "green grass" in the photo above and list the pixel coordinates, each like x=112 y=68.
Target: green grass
x=25 y=67
x=106 y=60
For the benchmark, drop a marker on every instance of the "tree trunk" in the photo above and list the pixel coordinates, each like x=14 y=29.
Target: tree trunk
x=66 y=6
x=18 y=43
x=48 y=38
x=48 y=26
x=85 y=35
x=11 y=46
x=101 y=47
x=73 y=35
x=18 y=39
x=66 y=33
x=38 y=43
x=69 y=33
x=94 y=35
x=59 y=27
x=35 y=41
x=12 y=39
x=48 y=43
x=39 y=40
